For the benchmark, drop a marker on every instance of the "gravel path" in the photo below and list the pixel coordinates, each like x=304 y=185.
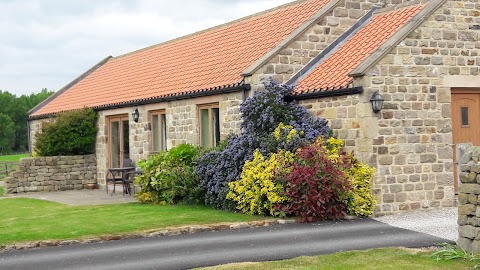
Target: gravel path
x=440 y=222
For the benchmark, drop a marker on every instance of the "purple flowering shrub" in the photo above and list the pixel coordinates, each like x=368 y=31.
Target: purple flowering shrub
x=266 y=109
x=261 y=115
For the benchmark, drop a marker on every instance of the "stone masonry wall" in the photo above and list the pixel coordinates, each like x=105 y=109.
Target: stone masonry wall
x=469 y=208
x=350 y=121
x=230 y=118
x=413 y=149
x=35 y=126
x=52 y=174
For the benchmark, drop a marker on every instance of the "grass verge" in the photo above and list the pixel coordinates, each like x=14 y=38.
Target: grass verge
x=13 y=157
x=23 y=220
x=381 y=259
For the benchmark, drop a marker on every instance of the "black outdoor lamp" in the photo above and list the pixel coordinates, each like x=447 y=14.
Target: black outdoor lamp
x=135 y=115
x=377 y=102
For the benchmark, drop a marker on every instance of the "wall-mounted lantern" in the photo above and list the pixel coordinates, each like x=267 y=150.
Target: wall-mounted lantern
x=377 y=102
x=135 y=115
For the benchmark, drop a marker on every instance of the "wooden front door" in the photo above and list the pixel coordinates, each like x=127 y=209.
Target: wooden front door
x=118 y=142
x=465 y=120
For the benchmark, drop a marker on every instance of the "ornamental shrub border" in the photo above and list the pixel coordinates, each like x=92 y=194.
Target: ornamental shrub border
x=284 y=162
x=261 y=115
x=316 y=182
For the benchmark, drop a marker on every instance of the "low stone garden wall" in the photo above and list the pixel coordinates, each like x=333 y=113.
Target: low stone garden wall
x=469 y=199
x=52 y=174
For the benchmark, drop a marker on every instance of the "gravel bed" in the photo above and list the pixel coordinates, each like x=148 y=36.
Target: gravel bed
x=440 y=222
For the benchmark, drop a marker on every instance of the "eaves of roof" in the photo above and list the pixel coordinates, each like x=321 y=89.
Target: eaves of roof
x=328 y=93
x=165 y=98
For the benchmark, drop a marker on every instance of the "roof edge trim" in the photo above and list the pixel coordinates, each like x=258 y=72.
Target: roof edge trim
x=295 y=34
x=400 y=35
x=69 y=85
x=333 y=93
x=192 y=94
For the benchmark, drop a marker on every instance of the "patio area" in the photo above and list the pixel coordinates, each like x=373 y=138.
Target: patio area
x=78 y=197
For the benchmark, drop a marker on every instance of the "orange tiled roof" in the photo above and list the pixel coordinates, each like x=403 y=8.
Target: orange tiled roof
x=333 y=72
x=202 y=61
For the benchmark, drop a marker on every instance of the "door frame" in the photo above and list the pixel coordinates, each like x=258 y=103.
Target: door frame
x=114 y=118
x=454 y=91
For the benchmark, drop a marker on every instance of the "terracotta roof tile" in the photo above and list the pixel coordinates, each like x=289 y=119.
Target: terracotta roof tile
x=333 y=72
x=202 y=61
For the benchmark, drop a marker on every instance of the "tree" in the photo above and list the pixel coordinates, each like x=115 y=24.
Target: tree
x=7 y=133
x=16 y=108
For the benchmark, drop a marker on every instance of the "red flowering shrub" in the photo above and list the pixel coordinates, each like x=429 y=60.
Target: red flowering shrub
x=316 y=187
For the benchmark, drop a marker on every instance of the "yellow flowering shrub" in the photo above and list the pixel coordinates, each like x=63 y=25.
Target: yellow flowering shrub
x=257 y=191
x=286 y=131
x=144 y=197
x=360 y=200
x=334 y=146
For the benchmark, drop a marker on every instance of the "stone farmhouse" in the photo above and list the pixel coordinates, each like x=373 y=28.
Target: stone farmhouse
x=422 y=57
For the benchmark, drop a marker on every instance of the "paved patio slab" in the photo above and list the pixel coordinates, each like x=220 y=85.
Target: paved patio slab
x=78 y=197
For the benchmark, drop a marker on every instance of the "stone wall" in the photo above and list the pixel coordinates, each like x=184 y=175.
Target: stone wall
x=469 y=208
x=52 y=174
x=413 y=148
x=350 y=120
x=230 y=118
x=35 y=127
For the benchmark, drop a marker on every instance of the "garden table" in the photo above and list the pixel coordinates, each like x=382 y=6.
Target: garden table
x=119 y=174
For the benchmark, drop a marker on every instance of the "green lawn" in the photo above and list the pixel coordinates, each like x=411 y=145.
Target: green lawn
x=13 y=157
x=381 y=259
x=1 y=191
x=28 y=220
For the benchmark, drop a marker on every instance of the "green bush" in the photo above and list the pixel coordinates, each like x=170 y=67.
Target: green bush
x=168 y=177
x=70 y=133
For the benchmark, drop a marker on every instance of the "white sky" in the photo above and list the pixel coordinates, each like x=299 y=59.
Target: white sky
x=48 y=43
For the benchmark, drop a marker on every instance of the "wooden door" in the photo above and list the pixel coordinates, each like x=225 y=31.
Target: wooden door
x=465 y=121
x=118 y=141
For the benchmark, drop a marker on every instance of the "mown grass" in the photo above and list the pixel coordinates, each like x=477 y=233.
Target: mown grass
x=13 y=157
x=374 y=259
x=24 y=220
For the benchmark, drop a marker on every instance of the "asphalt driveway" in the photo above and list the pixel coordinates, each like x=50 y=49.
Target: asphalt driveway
x=213 y=248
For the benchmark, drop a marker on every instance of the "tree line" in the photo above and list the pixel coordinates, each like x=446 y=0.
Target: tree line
x=13 y=119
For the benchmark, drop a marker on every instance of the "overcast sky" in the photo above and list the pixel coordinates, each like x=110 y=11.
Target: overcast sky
x=48 y=43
